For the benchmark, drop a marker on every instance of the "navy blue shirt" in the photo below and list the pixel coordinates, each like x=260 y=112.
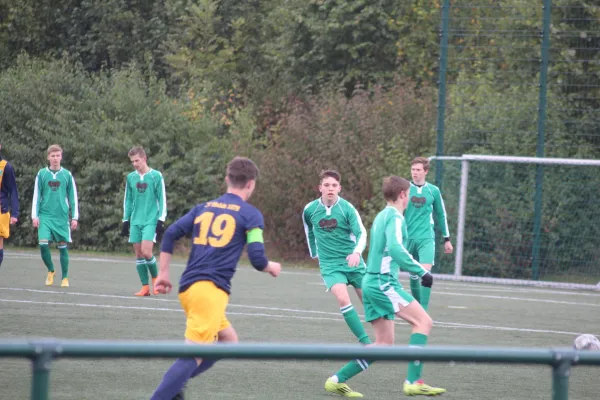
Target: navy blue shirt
x=219 y=230
x=9 y=196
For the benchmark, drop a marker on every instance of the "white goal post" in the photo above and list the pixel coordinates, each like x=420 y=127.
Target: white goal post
x=465 y=160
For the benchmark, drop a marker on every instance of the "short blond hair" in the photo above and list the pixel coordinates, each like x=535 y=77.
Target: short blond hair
x=54 y=148
x=137 y=150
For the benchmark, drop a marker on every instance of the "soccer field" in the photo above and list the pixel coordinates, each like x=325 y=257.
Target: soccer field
x=293 y=308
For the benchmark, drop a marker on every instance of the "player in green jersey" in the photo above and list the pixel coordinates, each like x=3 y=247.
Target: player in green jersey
x=384 y=297
x=425 y=200
x=54 y=195
x=145 y=210
x=337 y=237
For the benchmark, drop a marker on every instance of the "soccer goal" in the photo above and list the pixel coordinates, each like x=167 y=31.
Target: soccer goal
x=522 y=220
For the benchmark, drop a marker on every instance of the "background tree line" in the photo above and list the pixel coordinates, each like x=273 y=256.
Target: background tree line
x=297 y=85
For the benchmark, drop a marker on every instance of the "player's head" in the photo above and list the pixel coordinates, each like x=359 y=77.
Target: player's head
x=395 y=190
x=54 y=155
x=241 y=176
x=138 y=158
x=419 y=167
x=329 y=185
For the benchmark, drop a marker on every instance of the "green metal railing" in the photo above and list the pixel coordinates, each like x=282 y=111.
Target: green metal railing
x=42 y=353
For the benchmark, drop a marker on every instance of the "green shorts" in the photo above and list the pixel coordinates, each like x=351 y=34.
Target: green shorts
x=137 y=233
x=383 y=296
x=422 y=250
x=54 y=230
x=352 y=278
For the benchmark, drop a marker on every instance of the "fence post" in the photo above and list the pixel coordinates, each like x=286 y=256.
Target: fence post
x=539 y=172
x=441 y=108
x=41 y=364
x=560 y=379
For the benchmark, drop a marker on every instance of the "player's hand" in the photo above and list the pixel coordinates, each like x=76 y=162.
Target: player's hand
x=427 y=280
x=163 y=284
x=125 y=229
x=13 y=220
x=448 y=247
x=353 y=260
x=74 y=224
x=273 y=268
x=36 y=222
x=160 y=229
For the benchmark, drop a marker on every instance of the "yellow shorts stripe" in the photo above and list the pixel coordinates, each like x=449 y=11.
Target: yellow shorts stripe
x=204 y=305
x=5 y=225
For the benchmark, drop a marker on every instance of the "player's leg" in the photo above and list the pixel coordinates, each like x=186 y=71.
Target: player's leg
x=61 y=232
x=64 y=263
x=226 y=335
x=4 y=233
x=426 y=256
x=135 y=238
x=44 y=237
x=148 y=239
x=421 y=323
x=415 y=281
x=204 y=305
x=337 y=283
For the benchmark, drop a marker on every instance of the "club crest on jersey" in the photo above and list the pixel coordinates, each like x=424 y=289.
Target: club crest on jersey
x=141 y=186
x=54 y=185
x=418 y=202
x=328 y=224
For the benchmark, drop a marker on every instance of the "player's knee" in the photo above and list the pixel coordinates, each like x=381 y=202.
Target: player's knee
x=228 y=336
x=425 y=324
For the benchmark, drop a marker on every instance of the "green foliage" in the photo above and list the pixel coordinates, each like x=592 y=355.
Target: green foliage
x=366 y=137
x=96 y=119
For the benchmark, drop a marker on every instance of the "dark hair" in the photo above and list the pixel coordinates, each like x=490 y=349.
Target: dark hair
x=240 y=171
x=330 y=173
x=421 y=160
x=393 y=186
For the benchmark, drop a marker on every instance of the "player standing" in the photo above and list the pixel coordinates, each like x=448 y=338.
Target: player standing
x=9 y=201
x=337 y=237
x=144 y=214
x=54 y=194
x=221 y=229
x=384 y=297
x=425 y=200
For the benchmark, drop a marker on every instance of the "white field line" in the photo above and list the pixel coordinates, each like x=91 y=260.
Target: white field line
x=338 y=319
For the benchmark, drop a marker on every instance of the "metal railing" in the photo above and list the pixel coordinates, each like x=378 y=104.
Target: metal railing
x=43 y=352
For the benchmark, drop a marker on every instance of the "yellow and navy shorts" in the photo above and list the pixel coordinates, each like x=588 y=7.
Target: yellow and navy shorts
x=204 y=305
x=5 y=225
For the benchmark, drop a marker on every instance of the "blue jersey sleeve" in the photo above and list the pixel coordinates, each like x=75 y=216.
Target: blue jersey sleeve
x=256 y=247
x=10 y=184
x=179 y=229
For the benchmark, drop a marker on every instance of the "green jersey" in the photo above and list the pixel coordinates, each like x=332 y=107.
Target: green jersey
x=387 y=254
x=333 y=233
x=145 y=200
x=54 y=193
x=423 y=202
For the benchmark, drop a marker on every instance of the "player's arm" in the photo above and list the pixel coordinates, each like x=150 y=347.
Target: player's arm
x=127 y=208
x=10 y=183
x=308 y=231
x=37 y=199
x=176 y=231
x=161 y=194
x=73 y=198
x=358 y=229
x=440 y=213
x=393 y=236
x=255 y=246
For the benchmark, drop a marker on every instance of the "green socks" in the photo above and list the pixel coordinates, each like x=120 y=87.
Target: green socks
x=356 y=326
x=415 y=367
x=352 y=369
x=142 y=270
x=64 y=261
x=425 y=296
x=151 y=263
x=415 y=287
x=46 y=256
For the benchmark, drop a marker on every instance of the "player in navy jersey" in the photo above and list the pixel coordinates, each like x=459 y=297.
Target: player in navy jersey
x=221 y=229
